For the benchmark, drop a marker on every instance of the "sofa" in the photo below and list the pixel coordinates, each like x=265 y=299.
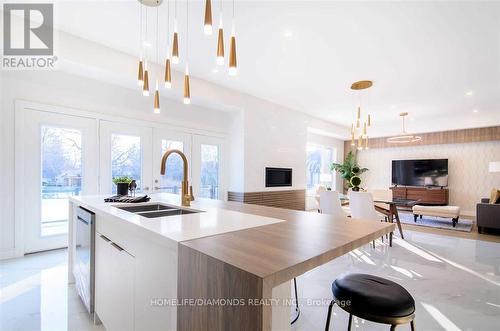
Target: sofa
x=487 y=215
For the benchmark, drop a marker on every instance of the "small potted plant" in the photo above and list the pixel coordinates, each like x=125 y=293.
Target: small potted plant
x=122 y=184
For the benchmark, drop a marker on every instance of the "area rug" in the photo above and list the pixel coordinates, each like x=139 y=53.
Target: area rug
x=463 y=225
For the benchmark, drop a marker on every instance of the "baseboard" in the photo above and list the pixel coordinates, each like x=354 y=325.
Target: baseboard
x=8 y=253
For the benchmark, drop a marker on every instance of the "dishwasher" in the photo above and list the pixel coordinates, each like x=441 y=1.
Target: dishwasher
x=84 y=264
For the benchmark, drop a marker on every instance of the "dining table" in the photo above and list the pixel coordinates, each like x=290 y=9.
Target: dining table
x=391 y=212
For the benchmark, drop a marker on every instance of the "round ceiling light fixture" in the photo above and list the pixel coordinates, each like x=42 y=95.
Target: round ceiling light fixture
x=404 y=137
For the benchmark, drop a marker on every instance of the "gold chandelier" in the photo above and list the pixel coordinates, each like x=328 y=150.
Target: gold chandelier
x=144 y=74
x=359 y=132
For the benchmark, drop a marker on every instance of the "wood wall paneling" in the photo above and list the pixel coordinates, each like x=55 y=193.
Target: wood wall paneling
x=436 y=138
x=289 y=199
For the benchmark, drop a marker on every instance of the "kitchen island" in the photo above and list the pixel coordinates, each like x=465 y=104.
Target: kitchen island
x=167 y=272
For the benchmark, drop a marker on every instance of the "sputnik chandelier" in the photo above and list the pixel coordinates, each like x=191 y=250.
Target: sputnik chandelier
x=173 y=54
x=359 y=131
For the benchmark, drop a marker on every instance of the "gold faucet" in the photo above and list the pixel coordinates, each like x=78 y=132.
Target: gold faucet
x=186 y=197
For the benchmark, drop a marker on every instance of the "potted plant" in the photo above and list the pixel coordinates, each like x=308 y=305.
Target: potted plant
x=350 y=171
x=122 y=184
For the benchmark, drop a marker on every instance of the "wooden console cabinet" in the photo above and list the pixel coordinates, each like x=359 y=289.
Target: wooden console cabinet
x=427 y=196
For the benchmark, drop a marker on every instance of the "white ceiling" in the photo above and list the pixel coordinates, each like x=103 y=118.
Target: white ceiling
x=422 y=56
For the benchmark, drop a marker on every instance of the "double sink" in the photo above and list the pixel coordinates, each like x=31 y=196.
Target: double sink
x=154 y=210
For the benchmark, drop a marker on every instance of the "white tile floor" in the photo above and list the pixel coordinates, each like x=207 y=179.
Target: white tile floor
x=455 y=282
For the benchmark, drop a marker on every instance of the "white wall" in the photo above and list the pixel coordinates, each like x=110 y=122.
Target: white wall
x=277 y=137
x=469 y=179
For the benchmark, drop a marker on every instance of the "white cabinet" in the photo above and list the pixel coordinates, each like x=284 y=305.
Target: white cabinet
x=114 y=285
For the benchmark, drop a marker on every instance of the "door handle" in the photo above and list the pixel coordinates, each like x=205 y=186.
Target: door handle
x=105 y=238
x=117 y=247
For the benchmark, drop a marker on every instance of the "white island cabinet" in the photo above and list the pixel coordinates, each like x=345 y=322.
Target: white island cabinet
x=136 y=258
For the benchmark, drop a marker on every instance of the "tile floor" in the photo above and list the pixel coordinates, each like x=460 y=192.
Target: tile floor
x=455 y=282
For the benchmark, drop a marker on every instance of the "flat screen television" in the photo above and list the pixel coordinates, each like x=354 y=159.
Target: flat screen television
x=276 y=177
x=429 y=172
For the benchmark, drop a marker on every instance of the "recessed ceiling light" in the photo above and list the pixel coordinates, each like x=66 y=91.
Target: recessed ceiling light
x=475 y=111
x=288 y=34
x=469 y=93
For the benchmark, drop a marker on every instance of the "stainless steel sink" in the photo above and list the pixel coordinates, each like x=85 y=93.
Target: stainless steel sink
x=143 y=208
x=154 y=210
x=164 y=213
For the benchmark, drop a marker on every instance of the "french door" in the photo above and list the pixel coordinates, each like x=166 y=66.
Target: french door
x=125 y=151
x=208 y=167
x=57 y=162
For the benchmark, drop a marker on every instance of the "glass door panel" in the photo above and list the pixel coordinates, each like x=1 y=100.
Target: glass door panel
x=208 y=167
x=126 y=160
x=164 y=140
x=61 y=155
x=171 y=181
x=125 y=150
x=209 y=171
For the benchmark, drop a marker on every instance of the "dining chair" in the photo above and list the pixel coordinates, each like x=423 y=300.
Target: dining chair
x=329 y=203
x=363 y=207
x=383 y=208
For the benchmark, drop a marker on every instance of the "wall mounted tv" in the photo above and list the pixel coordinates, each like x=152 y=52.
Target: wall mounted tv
x=430 y=172
x=276 y=177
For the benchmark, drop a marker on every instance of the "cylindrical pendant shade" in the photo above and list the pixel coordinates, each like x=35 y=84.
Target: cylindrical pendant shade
x=232 y=57
x=145 y=89
x=175 y=48
x=187 y=91
x=208 y=17
x=359 y=113
x=366 y=142
x=157 y=102
x=369 y=120
x=220 y=47
x=168 y=74
x=140 y=74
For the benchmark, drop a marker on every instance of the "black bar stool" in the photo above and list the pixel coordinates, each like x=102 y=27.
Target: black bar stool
x=374 y=299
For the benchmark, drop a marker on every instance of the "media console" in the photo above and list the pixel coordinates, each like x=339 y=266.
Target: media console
x=425 y=195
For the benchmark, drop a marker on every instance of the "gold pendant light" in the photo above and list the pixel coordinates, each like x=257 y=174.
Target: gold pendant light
x=175 y=42
x=156 y=102
x=404 y=137
x=168 y=74
x=358 y=132
x=145 y=87
x=207 y=28
x=187 y=89
x=233 y=67
x=140 y=75
x=220 y=39
x=168 y=70
x=156 y=107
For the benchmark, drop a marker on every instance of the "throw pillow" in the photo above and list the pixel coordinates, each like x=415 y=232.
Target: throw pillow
x=495 y=196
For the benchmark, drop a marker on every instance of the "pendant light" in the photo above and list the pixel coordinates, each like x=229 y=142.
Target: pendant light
x=233 y=67
x=175 y=42
x=404 y=137
x=140 y=74
x=220 y=39
x=187 y=90
x=168 y=71
x=145 y=86
x=207 y=28
x=359 y=132
x=156 y=105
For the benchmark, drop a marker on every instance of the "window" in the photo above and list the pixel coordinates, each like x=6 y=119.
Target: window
x=126 y=158
x=171 y=181
x=61 y=157
x=209 y=186
x=319 y=159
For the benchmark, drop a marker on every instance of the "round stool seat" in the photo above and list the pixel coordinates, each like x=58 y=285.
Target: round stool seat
x=372 y=296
